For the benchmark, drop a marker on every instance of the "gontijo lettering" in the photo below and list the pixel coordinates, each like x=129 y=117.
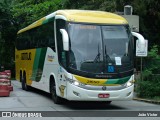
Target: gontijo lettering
x=26 y=56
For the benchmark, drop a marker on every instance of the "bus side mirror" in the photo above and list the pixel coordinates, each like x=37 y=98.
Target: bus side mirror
x=65 y=39
x=141 y=42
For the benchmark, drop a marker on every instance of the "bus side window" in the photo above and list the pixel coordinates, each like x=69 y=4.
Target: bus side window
x=18 y=42
x=51 y=36
x=42 y=36
x=60 y=24
x=46 y=35
x=32 y=34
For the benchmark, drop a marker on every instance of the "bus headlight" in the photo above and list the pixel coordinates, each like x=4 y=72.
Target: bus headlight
x=129 y=83
x=74 y=82
x=77 y=83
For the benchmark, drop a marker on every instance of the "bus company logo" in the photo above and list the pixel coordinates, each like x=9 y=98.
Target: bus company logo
x=104 y=88
x=50 y=58
x=62 y=88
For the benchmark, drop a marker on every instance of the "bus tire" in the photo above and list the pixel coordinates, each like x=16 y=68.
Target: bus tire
x=24 y=84
x=20 y=76
x=56 y=99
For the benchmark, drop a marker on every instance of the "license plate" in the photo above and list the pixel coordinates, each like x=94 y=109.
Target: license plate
x=103 y=95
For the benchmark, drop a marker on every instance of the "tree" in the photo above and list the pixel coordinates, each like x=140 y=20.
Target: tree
x=7 y=34
x=33 y=10
x=105 y=5
x=149 y=12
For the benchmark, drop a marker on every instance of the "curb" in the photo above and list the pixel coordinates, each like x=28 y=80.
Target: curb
x=148 y=101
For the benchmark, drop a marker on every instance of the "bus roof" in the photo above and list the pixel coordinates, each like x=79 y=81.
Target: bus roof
x=86 y=16
x=89 y=16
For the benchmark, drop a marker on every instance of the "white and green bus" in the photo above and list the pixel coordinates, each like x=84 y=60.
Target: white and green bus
x=78 y=55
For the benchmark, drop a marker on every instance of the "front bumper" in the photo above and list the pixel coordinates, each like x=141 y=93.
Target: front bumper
x=81 y=94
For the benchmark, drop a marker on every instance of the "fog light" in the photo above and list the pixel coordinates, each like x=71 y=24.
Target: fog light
x=76 y=93
x=128 y=93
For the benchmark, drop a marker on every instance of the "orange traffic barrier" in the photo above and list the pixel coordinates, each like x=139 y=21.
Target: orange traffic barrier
x=8 y=73
x=9 y=77
x=4 y=89
x=5 y=84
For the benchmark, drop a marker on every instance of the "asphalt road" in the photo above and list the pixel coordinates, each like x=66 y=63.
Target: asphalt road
x=39 y=101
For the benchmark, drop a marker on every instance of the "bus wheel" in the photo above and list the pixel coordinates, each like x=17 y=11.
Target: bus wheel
x=24 y=84
x=20 y=76
x=56 y=99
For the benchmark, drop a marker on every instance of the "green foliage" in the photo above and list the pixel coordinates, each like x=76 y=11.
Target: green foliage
x=149 y=12
x=105 y=5
x=152 y=62
x=33 y=10
x=149 y=87
x=7 y=34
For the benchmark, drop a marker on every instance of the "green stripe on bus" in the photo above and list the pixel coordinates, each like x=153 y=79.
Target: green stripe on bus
x=38 y=64
x=41 y=64
x=118 y=81
x=48 y=20
x=35 y=64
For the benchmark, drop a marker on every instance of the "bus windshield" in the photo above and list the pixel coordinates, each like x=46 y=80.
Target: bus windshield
x=94 y=47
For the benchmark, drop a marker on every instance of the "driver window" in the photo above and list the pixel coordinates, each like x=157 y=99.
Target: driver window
x=60 y=24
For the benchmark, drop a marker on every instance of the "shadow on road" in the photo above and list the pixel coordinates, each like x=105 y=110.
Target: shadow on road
x=90 y=105
x=81 y=105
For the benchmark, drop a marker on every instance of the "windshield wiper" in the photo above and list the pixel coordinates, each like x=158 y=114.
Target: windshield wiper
x=97 y=58
x=107 y=56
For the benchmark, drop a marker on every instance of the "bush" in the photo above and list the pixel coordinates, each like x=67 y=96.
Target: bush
x=149 y=87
